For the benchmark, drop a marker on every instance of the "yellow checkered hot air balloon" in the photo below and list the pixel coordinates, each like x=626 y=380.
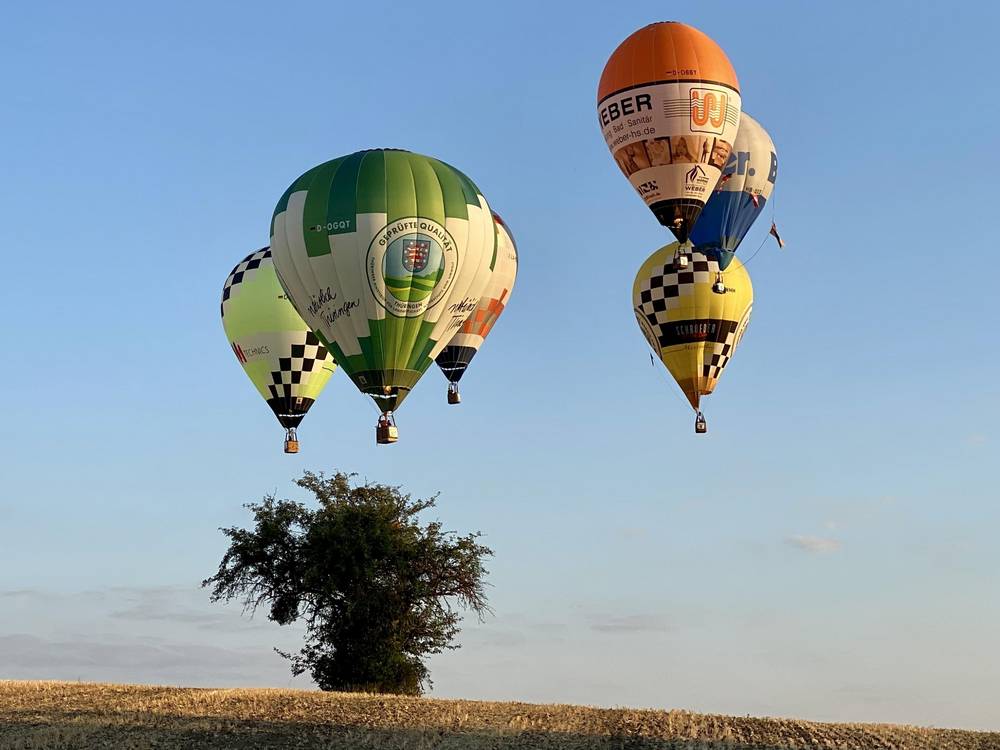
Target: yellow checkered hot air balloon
x=692 y=328
x=287 y=363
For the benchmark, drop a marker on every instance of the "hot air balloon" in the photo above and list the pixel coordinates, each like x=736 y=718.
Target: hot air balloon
x=384 y=253
x=692 y=329
x=462 y=347
x=745 y=187
x=669 y=108
x=285 y=360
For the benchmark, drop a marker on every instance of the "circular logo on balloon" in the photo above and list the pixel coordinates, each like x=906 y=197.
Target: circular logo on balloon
x=411 y=265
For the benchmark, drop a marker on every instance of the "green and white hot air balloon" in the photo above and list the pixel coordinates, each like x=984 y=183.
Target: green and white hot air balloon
x=286 y=362
x=384 y=253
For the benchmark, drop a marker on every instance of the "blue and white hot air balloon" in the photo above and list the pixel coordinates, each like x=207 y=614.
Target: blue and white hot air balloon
x=741 y=194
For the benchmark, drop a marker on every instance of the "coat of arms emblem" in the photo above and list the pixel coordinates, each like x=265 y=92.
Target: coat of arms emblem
x=415 y=255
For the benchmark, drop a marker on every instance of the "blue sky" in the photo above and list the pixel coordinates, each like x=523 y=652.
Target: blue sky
x=826 y=551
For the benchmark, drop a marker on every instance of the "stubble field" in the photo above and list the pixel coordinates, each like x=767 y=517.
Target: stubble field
x=132 y=717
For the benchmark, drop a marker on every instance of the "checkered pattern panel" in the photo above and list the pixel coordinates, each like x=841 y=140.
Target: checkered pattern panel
x=485 y=315
x=661 y=291
x=295 y=369
x=722 y=349
x=244 y=270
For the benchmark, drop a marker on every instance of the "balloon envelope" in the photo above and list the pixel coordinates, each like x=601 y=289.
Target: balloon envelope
x=691 y=328
x=384 y=253
x=744 y=189
x=462 y=347
x=669 y=107
x=287 y=364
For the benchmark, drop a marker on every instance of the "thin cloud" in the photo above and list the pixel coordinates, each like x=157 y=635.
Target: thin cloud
x=494 y=638
x=177 y=612
x=155 y=634
x=204 y=620
x=180 y=605
x=631 y=624
x=43 y=596
x=512 y=630
x=632 y=533
x=22 y=594
x=135 y=660
x=550 y=628
x=815 y=544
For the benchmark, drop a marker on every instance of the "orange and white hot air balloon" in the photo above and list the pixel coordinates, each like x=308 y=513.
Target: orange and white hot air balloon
x=669 y=108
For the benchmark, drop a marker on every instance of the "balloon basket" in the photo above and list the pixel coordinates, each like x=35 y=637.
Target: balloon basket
x=454 y=397
x=291 y=441
x=386 y=435
x=386 y=431
x=700 y=425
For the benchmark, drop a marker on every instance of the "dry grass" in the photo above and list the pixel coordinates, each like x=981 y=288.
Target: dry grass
x=133 y=717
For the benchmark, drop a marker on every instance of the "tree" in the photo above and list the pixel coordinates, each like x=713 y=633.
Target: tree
x=375 y=588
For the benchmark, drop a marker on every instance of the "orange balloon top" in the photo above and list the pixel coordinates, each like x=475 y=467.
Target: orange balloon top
x=665 y=52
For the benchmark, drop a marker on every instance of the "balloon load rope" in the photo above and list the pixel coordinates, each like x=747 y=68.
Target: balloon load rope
x=754 y=255
x=761 y=245
x=671 y=385
x=368 y=400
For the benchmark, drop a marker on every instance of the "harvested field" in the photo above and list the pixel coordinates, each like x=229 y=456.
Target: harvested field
x=132 y=717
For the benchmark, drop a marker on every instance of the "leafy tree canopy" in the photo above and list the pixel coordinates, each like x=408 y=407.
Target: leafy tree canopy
x=375 y=587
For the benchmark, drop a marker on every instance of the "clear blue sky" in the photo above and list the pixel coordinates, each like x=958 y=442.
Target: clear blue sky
x=828 y=550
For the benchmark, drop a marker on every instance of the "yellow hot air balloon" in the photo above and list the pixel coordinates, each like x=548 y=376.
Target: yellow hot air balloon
x=288 y=365
x=669 y=105
x=692 y=328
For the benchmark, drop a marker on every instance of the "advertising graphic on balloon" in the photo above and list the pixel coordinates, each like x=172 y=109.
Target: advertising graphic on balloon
x=454 y=359
x=692 y=329
x=285 y=360
x=669 y=107
x=384 y=253
x=744 y=189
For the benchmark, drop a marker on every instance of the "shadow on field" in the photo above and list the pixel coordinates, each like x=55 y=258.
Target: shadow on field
x=83 y=729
